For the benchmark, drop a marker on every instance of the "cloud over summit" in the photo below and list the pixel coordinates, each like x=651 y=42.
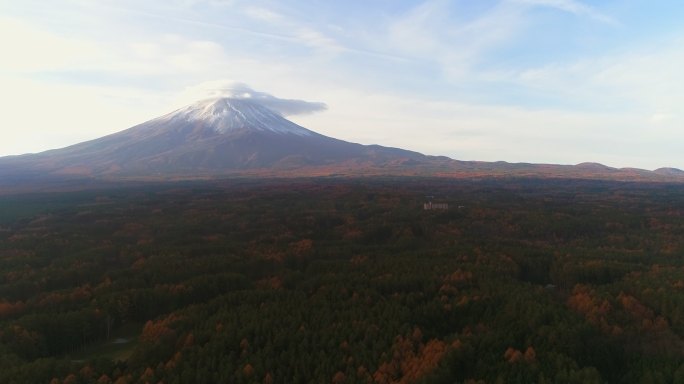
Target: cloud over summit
x=286 y=107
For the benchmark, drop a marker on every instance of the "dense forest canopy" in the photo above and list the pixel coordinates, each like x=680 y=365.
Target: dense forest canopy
x=344 y=281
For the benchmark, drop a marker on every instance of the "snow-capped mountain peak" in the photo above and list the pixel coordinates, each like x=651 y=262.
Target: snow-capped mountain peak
x=226 y=115
x=215 y=136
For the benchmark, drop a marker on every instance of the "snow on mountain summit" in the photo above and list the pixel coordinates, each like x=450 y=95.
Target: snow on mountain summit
x=227 y=115
x=213 y=136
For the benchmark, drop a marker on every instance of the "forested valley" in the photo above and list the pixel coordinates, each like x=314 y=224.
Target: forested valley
x=335 y=280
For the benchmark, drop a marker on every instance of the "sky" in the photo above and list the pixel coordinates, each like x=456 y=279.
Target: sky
x=542 y=81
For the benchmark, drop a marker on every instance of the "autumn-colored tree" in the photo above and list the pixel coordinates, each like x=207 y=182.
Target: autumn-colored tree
x=124 y=380
x=411 y=359
x=154 y=331
x=513 y=355
x=302 y=247
x=248 y=370
x=339 y=378
x=147 y=375
x=10 y=309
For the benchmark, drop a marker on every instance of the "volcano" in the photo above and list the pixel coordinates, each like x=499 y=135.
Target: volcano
x=213 y=136
x=239 y=136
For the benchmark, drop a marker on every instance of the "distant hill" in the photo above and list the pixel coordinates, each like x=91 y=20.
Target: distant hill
x=670 y=172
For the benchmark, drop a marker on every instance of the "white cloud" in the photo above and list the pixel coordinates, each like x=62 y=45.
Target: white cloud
x=229 y=88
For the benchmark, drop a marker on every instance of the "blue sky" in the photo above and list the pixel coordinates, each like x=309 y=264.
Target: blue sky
x=545 y=81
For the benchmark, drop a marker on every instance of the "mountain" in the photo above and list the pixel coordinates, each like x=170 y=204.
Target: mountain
x=209 y=137
x=237 y=136
x=670 y=172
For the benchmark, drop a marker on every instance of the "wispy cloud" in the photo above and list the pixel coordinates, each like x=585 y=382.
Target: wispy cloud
x=572 y=6
x=487 y=132
x=293 y=30
x=429 y=32
x=261 y=13
x=432 y=31
x=646 y=79
x=457 y=77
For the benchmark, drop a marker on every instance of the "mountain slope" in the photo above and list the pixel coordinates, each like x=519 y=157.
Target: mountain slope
x=229 y=136
x=211 y=136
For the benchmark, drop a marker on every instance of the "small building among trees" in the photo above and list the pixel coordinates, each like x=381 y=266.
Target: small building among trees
x=429 y=206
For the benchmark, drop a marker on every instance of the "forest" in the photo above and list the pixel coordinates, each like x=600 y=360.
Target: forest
x=344 y=280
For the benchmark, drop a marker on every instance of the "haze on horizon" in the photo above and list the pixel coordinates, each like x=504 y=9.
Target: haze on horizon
x=543 y=81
